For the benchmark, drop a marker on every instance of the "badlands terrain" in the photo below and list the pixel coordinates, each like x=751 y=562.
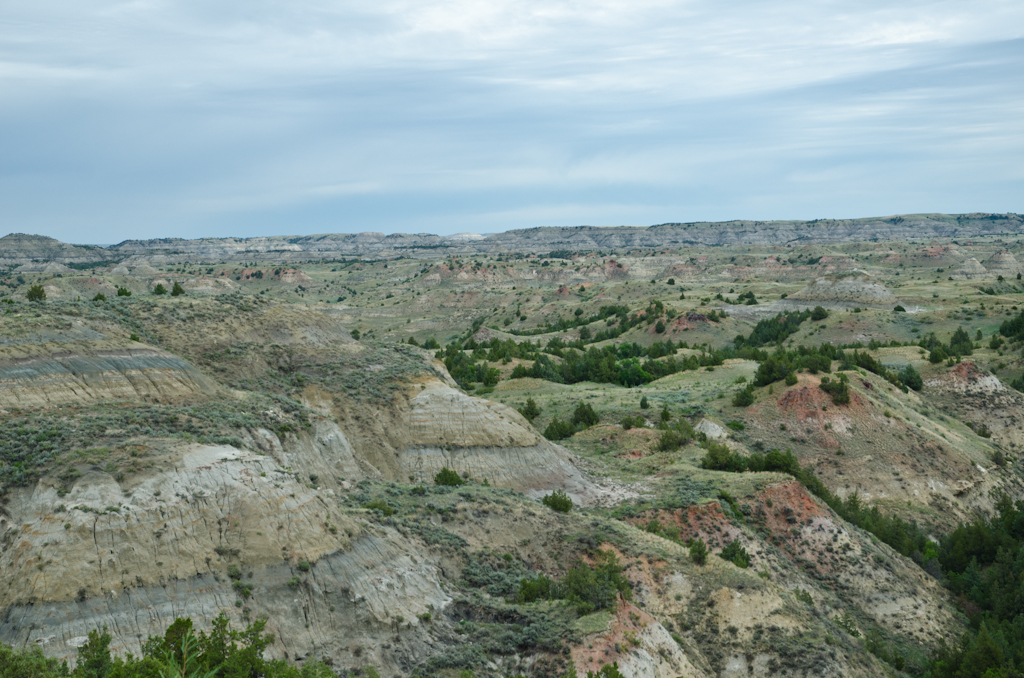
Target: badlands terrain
x=266 y=428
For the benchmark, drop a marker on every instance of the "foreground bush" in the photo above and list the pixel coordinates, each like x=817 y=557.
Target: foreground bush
x=179 y=652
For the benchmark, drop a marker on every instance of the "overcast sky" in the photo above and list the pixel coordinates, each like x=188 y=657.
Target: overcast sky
x=192 y=118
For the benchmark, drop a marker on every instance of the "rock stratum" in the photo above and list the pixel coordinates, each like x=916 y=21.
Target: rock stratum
x=143 y=254
x=855 y=287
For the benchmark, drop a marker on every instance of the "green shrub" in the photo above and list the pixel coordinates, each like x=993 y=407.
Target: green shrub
x=736 y=425
x=304 y=566
x=595 y=588
x=559 y=430
x=100 y=297
x=234 y=572
x=818 y=313
x=791 y=379
x=177 y=290
x=698 y=551
x=380 y=505
x=537 y=588
x=839 y=389
x=159 y=289
x=643 y=403
x=558 y=501
x=124 y=292
x=736 y=554
x=676 y=436
x=449 y=478
x=744 y=398
x=606 y=671
x=36 y=293
x=633 y=422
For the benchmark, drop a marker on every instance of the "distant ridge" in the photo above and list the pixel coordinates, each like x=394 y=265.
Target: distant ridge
x=19 y=248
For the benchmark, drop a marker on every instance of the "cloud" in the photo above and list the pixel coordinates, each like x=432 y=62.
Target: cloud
x=154 y=118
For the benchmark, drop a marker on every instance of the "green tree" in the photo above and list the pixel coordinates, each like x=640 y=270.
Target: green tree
x=960 y=343
x=982 y=654
x=912 y=378
x=530 y=410
x=159 y=289
x=29 y=664
x=94 y=657
x=177 y=290
x=36 y=294
x=584 y=416
x=643 y=403
x=819 y=313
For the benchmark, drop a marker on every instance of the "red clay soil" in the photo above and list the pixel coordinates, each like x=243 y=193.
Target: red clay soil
x=704 y=521
x=797 y=524
x=808 y=401
x=615 y=642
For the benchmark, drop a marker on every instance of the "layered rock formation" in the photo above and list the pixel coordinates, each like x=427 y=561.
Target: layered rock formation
x=578 y=238
x=1004 y=263
x=970 y=270
x=447 y=428
x=134 y=556
x=856 y=287
x=19 y=248
x=40 y=378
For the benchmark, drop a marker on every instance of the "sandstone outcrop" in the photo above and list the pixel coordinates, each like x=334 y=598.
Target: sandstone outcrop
x=1004 y=263
x=856 y=287
x=970 y=270
x=133 y=557
x=45 y=267
x=447 y=428
x=578 y=238
x=19 y=248
x=39 y=378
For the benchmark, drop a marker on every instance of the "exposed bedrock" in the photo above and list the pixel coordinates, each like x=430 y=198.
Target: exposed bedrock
x=39 y=379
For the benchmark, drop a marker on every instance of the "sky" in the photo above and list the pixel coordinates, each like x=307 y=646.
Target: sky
x=150 y=118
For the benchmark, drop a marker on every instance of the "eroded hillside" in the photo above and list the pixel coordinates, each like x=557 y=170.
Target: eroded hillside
x=266 y=444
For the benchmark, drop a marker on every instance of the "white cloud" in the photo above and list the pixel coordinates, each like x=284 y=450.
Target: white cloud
x=195 y=115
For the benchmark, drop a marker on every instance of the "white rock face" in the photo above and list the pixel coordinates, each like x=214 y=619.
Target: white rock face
x=165 y=549
x=710 y=429
x=447 y=428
